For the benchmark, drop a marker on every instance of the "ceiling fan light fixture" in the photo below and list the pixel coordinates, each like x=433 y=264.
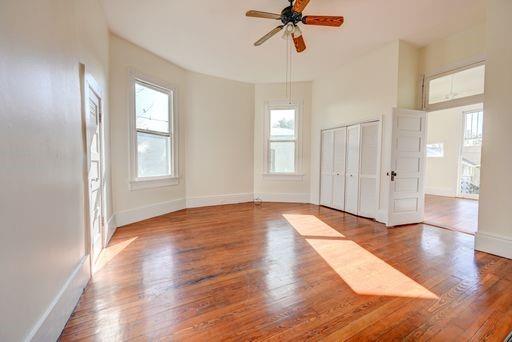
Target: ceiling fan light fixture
x=297 y=32
x=289 y=29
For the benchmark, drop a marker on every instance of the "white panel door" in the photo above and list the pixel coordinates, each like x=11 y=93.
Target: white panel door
x=326 y=168
x=408 y=152
x=338 y=190
x=94 y=152
x=368 y=169
x=352 y=178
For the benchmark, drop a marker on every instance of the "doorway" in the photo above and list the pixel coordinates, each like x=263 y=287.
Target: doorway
x=454 y=143
x=92 y=104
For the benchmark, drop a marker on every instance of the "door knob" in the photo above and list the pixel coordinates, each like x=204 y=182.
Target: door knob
x=393 y=175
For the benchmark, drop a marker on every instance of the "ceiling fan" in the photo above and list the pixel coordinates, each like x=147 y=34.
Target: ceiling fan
x=290 y=17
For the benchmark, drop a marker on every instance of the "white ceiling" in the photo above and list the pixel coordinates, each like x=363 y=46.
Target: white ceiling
x=215 y=37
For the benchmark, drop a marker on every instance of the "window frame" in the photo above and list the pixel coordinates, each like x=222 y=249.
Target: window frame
x=136 y=182
x=283 y=105
x=460 y=102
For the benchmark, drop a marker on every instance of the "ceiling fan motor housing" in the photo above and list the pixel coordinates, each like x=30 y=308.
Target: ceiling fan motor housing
x=288 y=15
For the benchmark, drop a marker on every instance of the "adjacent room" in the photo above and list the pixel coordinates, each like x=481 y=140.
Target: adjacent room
x=454 y=147
x=280 y=170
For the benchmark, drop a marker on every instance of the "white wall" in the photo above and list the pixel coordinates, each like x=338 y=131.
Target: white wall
x=495 y=227
x=156 y=201
x=445 y=126
x=41 y=202
x=362 y=90
x=215 y=137
x=408 y=76
x=453 y=51
x=219 y=140
x=271 y=188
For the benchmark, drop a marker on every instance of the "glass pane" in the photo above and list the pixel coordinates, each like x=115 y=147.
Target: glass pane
x=151 y=109
x=473 y=128
x=282 y=157
x=435 y=150
x=282 y=124
x=153 y=155
x=461 y=84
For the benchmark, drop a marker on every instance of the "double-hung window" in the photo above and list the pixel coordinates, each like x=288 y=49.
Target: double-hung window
x=282 y=140
x=153 y=135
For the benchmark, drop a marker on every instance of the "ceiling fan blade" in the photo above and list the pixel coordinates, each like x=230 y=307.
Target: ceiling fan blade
x=300 y=5
x=266 y=15
x=323 y=20
x=300 y=44
x=269 y=35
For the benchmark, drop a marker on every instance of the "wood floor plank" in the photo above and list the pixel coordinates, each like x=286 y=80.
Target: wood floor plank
x=246 y=272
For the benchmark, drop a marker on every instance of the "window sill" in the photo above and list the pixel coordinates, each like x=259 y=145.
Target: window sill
x=284 y=176
x=153 y=183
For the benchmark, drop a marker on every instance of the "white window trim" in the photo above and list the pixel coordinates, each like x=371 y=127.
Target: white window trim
x=465 y=101
x=137 y=183
x=275 y=105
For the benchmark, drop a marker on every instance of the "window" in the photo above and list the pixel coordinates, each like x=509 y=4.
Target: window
x=455 y=88
x=473 y=128
x=282 y=140
x=153 y=137
x=435 y=150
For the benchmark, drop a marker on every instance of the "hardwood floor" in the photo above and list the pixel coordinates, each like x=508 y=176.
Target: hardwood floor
x=452 y=213
x=291 y=272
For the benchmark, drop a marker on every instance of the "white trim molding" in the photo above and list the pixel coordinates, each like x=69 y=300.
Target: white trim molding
x=143 y=213
x=52 y=322
x=494 y=244
x=283 y=197
x=206 y=201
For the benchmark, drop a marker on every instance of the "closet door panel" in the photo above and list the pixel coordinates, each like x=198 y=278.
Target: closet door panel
x=340 y=146
x=368 y=169
x=352 y=169
x=326 y=168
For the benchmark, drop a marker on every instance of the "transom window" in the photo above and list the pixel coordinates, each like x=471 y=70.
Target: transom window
x=282 y=139
x=153 y=148
x=455 y=88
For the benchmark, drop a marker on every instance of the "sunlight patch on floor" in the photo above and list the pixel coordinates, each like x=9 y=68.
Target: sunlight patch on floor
x=109 y=253
x=309 y=225
x=364 y=272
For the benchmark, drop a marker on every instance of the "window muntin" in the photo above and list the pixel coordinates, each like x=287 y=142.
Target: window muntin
x=154 y=131
x=282 y=140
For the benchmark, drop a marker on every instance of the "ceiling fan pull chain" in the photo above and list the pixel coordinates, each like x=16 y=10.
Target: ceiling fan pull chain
x=291 y=68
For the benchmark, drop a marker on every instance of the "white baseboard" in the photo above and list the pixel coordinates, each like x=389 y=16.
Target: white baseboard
x=143 y=213
x=111 y=228
x=284 y=197
x=493 y=244
x=52 y=322
x=447 y=192
x=205 y=201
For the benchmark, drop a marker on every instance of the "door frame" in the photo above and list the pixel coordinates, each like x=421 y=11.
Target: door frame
x=89 y=85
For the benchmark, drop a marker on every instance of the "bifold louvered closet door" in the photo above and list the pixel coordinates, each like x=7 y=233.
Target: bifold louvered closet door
x=349 y=167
